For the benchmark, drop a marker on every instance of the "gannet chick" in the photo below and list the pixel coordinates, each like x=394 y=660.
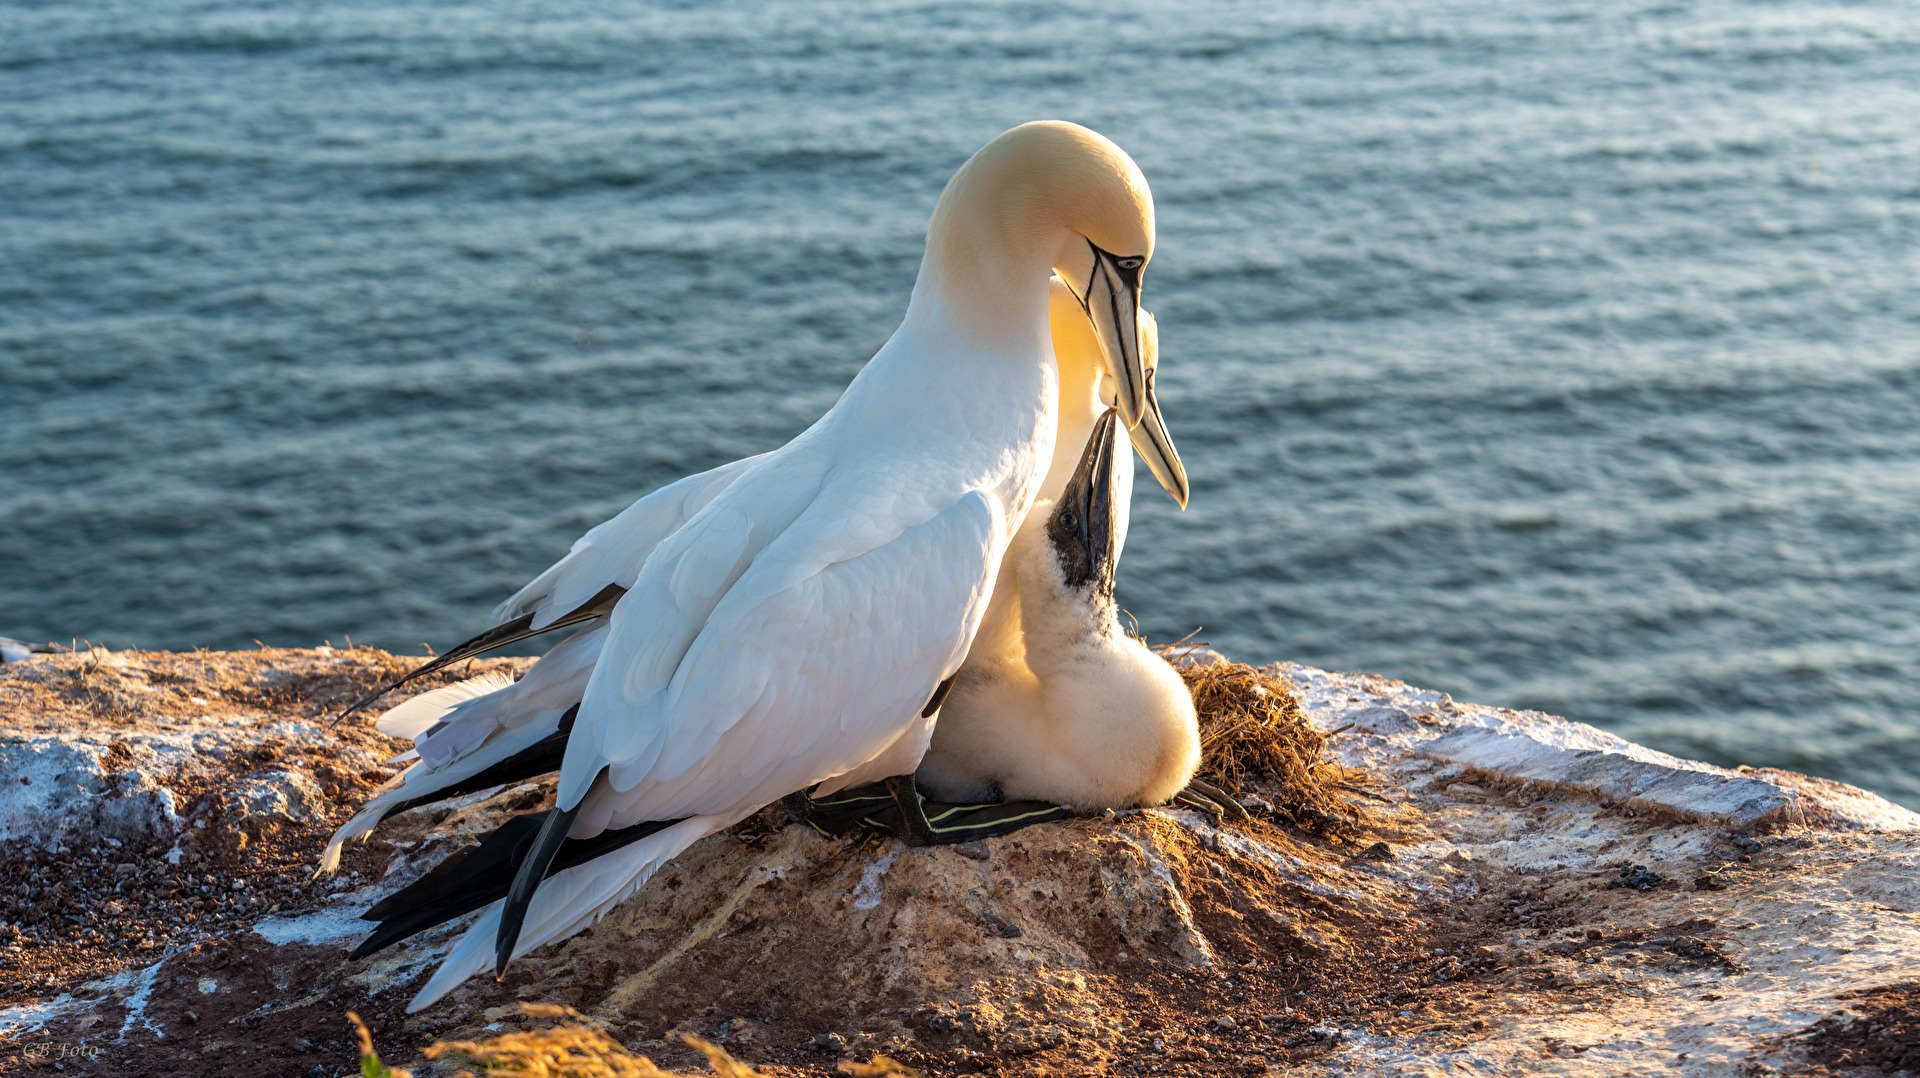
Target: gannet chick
x=1070 y=709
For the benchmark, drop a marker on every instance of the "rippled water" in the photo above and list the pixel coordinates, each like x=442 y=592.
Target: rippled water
x=1562 y=359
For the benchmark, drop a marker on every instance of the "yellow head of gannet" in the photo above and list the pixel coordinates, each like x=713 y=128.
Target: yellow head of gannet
x=1061 y=193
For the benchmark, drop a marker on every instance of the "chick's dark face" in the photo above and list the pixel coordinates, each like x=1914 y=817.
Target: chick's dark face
x=1081 y=529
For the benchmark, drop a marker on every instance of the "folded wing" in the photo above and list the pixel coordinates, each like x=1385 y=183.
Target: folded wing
x=613 y=551
x=817 y=655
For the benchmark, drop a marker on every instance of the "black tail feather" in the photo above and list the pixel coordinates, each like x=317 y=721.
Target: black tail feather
x=532 y=872
x=540 y=758
x=460 y=884
x=499 y=636
x=481 y=876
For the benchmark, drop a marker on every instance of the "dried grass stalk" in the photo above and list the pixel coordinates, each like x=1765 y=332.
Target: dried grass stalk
x=580 y=1048
x=577 y=1048
x=370 y=1065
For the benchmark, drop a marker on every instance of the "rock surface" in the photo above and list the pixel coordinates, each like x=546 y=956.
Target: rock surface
x=1520 y=895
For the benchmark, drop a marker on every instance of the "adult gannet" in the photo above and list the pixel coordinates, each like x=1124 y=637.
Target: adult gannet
x=479 y=876
x=488 y=731
x=795 y=628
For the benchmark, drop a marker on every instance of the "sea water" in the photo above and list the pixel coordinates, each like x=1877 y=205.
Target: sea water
x=1562 y=356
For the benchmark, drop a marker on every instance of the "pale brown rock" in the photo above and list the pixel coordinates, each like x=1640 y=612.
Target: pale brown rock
x=1489 y=941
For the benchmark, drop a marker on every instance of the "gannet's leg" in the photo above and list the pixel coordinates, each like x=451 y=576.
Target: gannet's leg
x=836 y=814
x=946 y=824
x=913 y=828
x=969 y=823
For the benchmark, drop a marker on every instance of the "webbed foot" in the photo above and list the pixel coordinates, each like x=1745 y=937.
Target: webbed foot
x=897 y=807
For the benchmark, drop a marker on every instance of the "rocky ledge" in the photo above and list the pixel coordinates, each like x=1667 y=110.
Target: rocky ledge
x=1517 y=894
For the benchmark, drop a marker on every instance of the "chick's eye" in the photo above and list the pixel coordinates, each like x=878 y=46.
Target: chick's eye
x=1070 y=520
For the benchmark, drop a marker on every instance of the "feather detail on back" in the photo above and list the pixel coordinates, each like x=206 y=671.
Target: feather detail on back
x=614 y=550
x=724 y=733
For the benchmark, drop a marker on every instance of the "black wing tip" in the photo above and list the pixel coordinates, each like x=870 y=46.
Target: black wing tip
x=359 y=704
x=503 y=943
x=526 y=882
x=507 y=632
x=394 y=931
x=939 y=696
x=478 y=876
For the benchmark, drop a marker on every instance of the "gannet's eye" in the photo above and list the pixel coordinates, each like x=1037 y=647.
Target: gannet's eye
x=1070 y=520
x=1130 y=263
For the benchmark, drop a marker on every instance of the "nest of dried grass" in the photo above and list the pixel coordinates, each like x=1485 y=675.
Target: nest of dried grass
x=1251 y=727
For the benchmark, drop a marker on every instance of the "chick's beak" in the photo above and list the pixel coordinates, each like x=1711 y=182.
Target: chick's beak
x=1082 y=526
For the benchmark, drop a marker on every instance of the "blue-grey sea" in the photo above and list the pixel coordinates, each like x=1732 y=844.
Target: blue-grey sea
x=1559 y=355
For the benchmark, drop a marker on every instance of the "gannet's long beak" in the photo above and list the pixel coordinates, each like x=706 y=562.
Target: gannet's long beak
x=1108 y=286
x=1156 y=448
x=1082 y=526
x=1150 y=437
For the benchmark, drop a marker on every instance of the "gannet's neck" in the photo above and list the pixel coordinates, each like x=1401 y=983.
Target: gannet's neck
x=988 y=280
x=1077 y=355
x=1077 y=352
x=1029 y=201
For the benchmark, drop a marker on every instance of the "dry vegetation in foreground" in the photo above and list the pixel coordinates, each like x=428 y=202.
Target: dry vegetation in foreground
x=577 y=1048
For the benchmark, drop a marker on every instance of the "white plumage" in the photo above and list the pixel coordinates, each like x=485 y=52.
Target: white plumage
x=790 y=616
x=492 y=719
x=1055 y=702
x=613 y=551
x=1061 y=705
